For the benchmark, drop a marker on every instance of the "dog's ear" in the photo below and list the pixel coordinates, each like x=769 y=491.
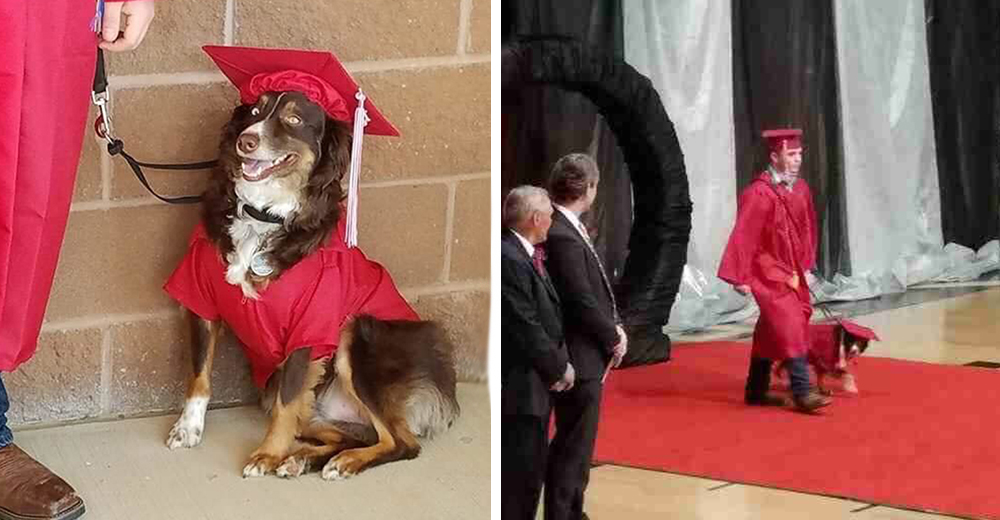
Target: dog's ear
x=324 y=193
x=336 y=153
x=239 y=118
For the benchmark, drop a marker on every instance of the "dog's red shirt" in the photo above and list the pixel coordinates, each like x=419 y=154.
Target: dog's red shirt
x=304 y=307
x=824 y=348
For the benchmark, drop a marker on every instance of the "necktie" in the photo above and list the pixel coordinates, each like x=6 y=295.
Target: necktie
x=538 y=259
x=600 y=265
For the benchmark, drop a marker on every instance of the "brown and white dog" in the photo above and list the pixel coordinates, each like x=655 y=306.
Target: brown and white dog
x=388 y=382
x=832 y=347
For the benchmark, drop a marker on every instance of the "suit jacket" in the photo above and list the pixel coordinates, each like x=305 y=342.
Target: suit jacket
x=588 y=306
x=534 y=354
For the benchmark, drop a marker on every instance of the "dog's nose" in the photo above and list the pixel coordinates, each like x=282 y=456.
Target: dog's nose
x=247 y=143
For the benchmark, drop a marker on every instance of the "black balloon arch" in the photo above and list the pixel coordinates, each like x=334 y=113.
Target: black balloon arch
x=661 y=219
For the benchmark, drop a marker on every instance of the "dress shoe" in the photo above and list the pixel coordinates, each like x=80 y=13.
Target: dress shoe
x=811 y=402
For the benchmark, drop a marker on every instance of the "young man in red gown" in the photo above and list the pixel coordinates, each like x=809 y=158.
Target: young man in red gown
x=770 y=250
x=48 y=52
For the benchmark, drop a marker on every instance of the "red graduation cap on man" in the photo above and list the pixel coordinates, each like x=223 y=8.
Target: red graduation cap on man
x=319 y=76
x=783 y=139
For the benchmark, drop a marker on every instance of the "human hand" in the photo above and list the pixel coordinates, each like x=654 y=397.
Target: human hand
x=743 y=289
x=793 y=282
x=568 y=378
x=124 y=24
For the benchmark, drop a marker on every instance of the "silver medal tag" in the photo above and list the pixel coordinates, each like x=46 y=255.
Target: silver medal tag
x=259 y=265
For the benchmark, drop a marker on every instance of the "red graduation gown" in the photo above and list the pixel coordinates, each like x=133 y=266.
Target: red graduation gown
x=47 y=55
x=767 y=246
x=304 y=307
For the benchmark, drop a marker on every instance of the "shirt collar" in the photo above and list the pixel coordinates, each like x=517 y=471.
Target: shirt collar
x=787 y=180
x=570 y=216
x=524 y=242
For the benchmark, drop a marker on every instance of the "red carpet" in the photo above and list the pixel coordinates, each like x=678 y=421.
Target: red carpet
x=919 y=436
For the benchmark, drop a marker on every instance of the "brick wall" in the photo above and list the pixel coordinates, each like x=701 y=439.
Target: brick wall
x=114 y=344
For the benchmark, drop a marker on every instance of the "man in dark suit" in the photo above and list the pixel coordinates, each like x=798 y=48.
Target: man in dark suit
x=534 y=361
x=594 y=336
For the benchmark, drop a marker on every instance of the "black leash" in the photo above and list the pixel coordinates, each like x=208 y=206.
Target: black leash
x=105 y=130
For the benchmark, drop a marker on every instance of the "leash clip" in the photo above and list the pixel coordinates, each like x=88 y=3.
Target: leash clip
x=105 y=130
x=102 y=125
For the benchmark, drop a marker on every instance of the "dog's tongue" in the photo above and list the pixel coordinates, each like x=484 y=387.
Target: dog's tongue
x=254 y=168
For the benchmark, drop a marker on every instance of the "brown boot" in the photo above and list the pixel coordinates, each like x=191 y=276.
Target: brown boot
x=811 y=402
x=29 y=491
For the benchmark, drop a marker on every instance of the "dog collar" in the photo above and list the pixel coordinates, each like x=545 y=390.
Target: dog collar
x=242 y=208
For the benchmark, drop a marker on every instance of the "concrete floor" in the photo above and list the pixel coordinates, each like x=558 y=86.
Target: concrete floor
x=124 y=472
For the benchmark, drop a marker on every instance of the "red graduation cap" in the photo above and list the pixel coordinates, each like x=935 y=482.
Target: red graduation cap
x=319 y=76
x=783 y=138
x=859 y=331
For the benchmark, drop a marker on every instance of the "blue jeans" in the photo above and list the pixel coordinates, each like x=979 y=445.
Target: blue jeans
x=798 y=377
x=6 y=437
x=759 y=378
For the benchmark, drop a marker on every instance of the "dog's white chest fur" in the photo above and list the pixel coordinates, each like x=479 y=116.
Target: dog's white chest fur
x=249 y=239
x=251 y=236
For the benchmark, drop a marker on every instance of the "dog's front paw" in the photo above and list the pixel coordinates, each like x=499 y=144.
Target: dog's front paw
x=849 y=385
x=261 y=464
x=292 y=467
x=342 y=467
x=184 y=435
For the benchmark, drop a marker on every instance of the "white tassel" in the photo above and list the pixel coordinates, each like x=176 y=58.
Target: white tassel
x=360 y=121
